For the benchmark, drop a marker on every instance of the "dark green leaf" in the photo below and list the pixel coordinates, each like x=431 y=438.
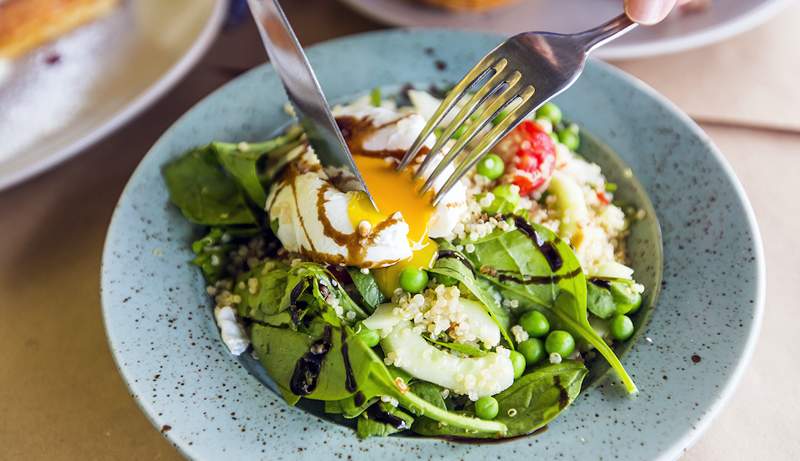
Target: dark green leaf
x=261 y=298
x=531 y=402
x=213 y=250
x=513 y=261
x=367 y=287
x=241 y=162
x=368 y=426
x=432 y=393
x=280 y=349
x=203 y=191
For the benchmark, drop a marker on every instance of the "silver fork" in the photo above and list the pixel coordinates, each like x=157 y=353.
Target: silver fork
x=517 y=77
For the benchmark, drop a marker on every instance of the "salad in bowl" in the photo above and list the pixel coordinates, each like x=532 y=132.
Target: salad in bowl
x=475 y=318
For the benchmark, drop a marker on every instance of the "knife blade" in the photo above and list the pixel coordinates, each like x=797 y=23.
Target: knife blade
x=304 y=92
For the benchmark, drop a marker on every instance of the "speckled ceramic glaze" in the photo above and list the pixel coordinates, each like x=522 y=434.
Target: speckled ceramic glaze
x=686 y=362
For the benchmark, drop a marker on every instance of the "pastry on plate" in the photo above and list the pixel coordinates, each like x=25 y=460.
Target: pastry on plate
x=26 y=24
x=469 y=5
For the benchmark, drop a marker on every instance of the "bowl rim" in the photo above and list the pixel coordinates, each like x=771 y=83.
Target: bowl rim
x=720 y=398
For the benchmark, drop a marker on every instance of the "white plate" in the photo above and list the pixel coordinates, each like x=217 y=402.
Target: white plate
x=679 y=32
x=68 y=94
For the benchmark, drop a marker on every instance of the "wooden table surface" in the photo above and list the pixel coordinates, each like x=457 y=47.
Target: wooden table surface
x=62 y=398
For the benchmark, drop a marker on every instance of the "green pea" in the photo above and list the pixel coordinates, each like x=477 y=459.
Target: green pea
x=491 y=166
x=532 y=349
x=518 y=362
x=459 y=132
x=560 y=342
x=570 y=139
x=445 y=280
x=499 y=117
x=535 y=323
x=554 y=136
x=375 y=97
x=573 y=127
x=550 y=111
x=413 y=280
x=487 y=408
x=611 y=187
x=626 y=298
x=370 y=337
x=621 y=327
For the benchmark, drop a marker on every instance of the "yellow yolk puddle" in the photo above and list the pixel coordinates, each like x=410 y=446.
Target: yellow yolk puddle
x=394 y=191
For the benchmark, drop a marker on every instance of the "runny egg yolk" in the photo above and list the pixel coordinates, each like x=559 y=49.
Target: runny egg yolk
x=394 y=191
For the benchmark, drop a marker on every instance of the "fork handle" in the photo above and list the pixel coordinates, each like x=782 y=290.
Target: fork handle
x=599 y=35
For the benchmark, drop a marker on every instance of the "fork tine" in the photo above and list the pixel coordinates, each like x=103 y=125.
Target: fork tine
x=480 y=71
x=486 y=115
x=488 y=90
x=519 y=112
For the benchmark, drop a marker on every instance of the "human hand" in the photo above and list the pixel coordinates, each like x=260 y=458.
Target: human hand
x=649 y=12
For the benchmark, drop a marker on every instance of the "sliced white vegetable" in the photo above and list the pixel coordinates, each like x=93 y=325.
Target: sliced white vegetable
x=480 y=323
x=475 y=377
x=612 y=269
x=230 y=330
x=570 y=202
x=383 y=319
x=470 y=318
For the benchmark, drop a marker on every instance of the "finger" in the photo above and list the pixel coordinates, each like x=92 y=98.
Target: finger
x=648 y=11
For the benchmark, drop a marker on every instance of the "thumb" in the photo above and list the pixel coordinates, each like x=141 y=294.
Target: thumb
x=648 y=12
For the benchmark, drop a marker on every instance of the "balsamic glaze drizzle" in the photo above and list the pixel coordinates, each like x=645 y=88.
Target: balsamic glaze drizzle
x=294 y=306
x=308 y=367
x=602 y=283
x=456 y=255
x=563 y=397
x=359 y=398
x=536 y=279
x=376 y=413
x=548 y=249
x=349 y=378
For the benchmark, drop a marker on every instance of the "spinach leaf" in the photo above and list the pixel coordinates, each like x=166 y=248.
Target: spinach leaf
x=279 y=351
x=241 y=161
x=261 y=289
x=367 y=287
x=600 y=302
x=432 y=393
x=330 y=298
x=212 y=251
x=466 y=349
x=451 y=264
x=241 y=166
x=531 y=402
x=220 y=183
x=372 y=423
x=203 y=191
x=513 y=261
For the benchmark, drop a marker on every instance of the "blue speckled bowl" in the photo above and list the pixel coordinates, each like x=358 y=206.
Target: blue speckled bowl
x=686 y=364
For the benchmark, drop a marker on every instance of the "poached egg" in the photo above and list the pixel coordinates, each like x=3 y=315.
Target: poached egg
x=317 y=215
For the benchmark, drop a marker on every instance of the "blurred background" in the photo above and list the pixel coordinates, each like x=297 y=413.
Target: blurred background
x=87 y=86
